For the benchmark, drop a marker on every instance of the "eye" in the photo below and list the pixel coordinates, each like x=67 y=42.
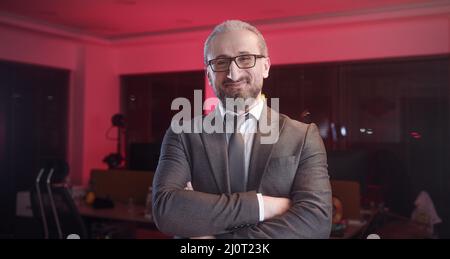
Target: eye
x=244 y=58
x=220 y=62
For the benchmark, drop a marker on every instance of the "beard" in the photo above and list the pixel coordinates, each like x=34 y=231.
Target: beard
x=248 y=91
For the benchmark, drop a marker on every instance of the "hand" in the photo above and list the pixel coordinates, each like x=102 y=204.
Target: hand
x=188 y=187
x=274 y=206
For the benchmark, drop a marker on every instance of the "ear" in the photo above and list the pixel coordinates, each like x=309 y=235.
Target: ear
x=266 y=67
x=208 y=75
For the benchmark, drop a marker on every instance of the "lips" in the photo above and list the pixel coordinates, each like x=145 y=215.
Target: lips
x=235 y=84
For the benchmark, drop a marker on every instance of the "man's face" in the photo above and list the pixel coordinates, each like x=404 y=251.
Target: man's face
x=236 y=82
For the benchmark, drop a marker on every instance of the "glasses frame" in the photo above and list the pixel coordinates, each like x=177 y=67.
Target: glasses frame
x=231 y=59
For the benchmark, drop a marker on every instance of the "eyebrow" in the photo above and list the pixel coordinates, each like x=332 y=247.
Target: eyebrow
x=222 y=56
x=226 y=56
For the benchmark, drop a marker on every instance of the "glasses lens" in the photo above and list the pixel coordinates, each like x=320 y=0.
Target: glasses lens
x=245 y=61
x=220 y=64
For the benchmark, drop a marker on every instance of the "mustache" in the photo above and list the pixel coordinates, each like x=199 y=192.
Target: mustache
x=230 y=81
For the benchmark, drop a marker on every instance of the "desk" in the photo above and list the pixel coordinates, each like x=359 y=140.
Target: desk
x=120 y=212
x=352 y=230
x=355 y=228
x=131 y=223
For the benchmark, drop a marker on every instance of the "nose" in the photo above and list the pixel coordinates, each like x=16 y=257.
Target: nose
x=233 y=71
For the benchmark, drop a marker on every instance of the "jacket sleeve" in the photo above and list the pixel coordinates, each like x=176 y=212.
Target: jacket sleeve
x=190 y=213
x=311 y=211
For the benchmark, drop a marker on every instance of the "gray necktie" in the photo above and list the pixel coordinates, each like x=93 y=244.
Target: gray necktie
x=236 y=156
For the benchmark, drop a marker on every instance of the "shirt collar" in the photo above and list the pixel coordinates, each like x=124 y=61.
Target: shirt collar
x=255 y=110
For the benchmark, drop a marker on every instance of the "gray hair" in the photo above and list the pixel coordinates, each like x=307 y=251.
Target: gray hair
x=234 y=25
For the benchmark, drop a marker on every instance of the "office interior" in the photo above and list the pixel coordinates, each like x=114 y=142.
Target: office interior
x=86 y=89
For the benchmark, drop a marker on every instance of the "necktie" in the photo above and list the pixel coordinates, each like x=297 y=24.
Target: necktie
x=236 y=156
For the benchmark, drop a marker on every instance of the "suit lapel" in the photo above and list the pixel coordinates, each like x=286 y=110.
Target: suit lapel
x=216 y=150
x=261 y=153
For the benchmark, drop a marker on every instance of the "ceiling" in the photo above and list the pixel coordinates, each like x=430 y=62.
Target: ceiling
x=120 y=19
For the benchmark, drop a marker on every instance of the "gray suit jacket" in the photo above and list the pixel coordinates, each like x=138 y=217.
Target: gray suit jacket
x=295 y=167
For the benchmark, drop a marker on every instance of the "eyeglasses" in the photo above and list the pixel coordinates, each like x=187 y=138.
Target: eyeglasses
x=242 y=62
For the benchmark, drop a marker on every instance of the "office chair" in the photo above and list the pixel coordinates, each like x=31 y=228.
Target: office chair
x=52 y=202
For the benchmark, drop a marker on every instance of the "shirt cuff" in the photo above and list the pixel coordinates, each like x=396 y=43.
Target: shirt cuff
x=261 y=206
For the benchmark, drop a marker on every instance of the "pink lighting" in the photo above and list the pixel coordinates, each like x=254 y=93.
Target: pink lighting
x=97 y=56
x=415 y=134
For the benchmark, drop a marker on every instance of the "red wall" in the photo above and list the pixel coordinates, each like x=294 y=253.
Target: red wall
x=101 y=101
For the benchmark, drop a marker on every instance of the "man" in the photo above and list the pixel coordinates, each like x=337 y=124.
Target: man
x=233 y=185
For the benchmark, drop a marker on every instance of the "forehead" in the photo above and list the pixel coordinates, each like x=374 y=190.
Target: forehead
x=233 y=43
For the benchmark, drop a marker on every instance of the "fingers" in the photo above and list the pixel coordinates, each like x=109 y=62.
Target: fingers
x=188 y=187
x=274 y=206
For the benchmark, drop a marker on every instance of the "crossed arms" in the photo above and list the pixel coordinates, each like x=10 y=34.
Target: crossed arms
x=306 y=213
